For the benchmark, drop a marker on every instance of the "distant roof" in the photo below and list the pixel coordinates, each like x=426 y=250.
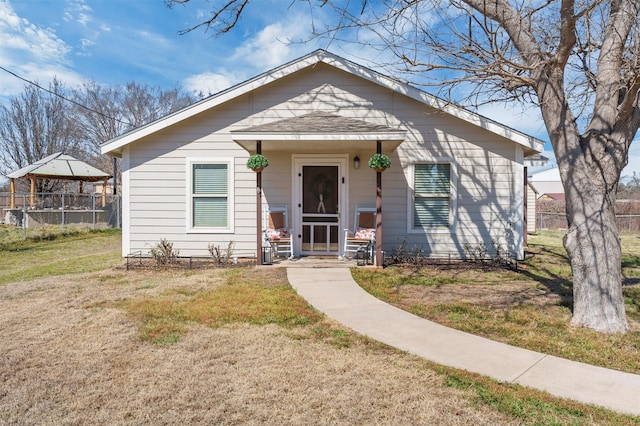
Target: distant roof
x=559 y=196
x=548 y=175
x=60 y=166
x=536 y=158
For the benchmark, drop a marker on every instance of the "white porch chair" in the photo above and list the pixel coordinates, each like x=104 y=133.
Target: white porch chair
x=277 y=231
x=363 y=235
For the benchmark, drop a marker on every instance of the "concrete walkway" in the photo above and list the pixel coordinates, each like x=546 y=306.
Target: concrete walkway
x=334 y=292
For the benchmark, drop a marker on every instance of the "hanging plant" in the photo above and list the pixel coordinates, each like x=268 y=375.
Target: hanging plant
x=379 y=162
x=257 y=162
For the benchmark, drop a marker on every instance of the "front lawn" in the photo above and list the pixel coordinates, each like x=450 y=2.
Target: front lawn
x=87 y=341
x=529 y=307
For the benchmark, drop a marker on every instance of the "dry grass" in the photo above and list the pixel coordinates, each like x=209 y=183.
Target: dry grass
x=249 y=296
x=224 y=346
x=70 y=357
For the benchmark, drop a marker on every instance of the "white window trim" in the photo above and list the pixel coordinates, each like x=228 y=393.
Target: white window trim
x=230 y=228
x=453 y=198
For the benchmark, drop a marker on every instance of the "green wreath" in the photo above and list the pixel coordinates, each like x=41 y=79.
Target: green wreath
x=321 y=185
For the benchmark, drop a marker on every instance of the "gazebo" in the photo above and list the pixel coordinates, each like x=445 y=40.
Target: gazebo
x=62 y=167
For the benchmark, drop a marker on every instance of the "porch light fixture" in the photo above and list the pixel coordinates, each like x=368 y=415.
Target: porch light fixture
x=356 y=162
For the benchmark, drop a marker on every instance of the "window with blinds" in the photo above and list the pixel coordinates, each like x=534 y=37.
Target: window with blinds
x=432 y=195
x=210 y=195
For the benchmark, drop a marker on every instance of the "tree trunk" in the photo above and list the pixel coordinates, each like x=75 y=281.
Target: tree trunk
x=594 y=250
x=589 y=177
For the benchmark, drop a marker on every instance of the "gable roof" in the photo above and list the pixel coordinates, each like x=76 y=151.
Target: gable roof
x=319 y=122
x=316 y=126
x=531 y=145
x=61 y=166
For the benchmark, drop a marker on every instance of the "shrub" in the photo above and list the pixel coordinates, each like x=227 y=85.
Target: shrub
x=163 y=252
x=222 y=256
x=402 y=255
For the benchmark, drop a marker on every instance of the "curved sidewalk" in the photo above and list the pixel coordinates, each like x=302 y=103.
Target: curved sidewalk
x=334 y=292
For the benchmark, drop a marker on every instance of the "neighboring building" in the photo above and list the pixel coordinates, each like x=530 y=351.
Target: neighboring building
x=532 y=197
x=537 y=161
x=547 y=184
x=532 y=161
x=457 y=179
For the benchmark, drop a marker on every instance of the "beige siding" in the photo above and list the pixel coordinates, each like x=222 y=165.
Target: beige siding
x=488 y=168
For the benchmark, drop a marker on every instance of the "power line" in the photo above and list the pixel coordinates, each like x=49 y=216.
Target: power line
x=63 y=97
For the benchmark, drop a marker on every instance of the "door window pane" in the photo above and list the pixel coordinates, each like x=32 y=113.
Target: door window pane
x=320 y=189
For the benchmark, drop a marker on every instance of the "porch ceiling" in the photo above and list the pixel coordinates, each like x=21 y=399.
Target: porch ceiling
x=319 y=132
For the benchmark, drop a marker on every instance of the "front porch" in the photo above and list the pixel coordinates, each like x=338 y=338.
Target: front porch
x=318 y=171
x=317 y=262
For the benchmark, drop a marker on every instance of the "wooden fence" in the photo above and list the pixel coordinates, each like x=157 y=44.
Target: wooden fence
x=550 y=214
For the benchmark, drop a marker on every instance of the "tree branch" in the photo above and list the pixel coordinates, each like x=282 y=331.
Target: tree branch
x=222 y=20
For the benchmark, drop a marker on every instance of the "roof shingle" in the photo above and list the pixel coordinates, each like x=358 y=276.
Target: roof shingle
x=318 y=122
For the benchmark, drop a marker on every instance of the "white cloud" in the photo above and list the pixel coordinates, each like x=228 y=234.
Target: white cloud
x=210 y=82
x=32 y=52
x=20 y=36
x=272 y=46
x=266 y=50
x=86 y=47
x=78 y=11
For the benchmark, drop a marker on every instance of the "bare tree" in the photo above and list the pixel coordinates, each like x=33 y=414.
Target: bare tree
x=109 y=111
x=34 y=125
x=630 y=189
x=577 y=61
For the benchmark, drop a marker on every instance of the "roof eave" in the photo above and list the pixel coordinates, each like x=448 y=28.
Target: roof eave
x=390 y=140
x=360 y=136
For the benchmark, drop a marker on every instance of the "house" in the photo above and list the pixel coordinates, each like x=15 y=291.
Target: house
x=457 y=179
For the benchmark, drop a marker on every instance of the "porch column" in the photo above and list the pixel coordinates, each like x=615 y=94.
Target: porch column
x=526 y=210
x=379 y=211
x=12 y=185
x=32 y=200
x=115 y=176
x=259 y=208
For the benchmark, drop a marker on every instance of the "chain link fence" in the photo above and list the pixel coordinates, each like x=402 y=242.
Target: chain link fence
x=40 y=210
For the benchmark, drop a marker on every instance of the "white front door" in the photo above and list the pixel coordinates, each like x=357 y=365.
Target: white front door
x=319 y=199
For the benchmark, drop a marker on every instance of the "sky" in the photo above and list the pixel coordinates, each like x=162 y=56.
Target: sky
x=114 y=42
